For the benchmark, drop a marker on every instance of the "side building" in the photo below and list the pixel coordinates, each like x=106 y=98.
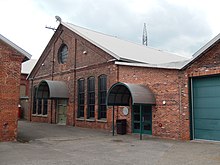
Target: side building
x=11 y=57
x=88 y=79
x=26 y=68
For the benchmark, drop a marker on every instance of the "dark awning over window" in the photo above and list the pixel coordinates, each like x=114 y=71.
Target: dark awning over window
x=120 y=94
x=52 y=89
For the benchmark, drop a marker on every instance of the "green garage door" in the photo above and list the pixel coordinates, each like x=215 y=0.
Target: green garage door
x=206 y=108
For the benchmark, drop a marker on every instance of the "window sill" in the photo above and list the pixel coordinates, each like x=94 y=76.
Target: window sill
x=35 y=115
x=91 y=120
x=80 y=119
x=102 y=120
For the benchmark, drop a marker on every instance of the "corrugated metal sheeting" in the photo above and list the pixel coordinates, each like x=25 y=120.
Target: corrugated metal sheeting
x=52 y=89
x=121 y=93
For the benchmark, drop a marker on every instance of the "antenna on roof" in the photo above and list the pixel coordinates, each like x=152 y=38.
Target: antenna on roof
x=52 y=28
x=144 y=38
x=58 y=19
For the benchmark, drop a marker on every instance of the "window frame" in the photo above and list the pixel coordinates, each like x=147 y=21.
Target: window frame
x=81 y=98
x=45 y=106
x=63 y=54
x=39 y=106
x=102 y=92
x=91 y=97
x=34 y=110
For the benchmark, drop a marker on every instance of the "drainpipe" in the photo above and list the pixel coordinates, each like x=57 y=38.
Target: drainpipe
x=117 y=73
x=31 y=101
x=52 y=76
x=141 y=124
x=52 y=72
x=180 y=109
x=113 y=121
x=117 y=81
x=74 y=93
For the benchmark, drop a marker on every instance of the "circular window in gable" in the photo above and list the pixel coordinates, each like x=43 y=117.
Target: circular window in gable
x=63 y=53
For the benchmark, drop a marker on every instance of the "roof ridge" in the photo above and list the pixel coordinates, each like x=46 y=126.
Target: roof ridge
x=91 y=30
x=125 y=40
x=16 y=47
x=124 y=49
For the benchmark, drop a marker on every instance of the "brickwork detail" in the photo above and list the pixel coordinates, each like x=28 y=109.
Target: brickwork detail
x=10 y=70
x=170 y=115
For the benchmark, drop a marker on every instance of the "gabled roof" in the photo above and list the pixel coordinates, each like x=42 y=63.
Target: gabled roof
x=124 y=50
x=20 y=50
x=202 y=50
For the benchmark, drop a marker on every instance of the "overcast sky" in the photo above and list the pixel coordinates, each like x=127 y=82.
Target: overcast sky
x=178 y=26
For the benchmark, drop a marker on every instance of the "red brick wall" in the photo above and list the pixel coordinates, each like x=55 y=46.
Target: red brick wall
x=10 y=70
x=164 y=83
x=94 y=63
x=207 y=65
x=25 y=82
x=170 y=120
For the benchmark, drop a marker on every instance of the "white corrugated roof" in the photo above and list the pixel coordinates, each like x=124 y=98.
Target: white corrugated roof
x=27 y=66
x=16 y=47
x=124 y=50
x=171 y=65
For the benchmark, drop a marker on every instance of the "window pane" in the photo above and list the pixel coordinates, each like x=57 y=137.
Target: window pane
x=63 y=53
x=34 y=106
x=45 y=107
x=81 y=97
x=34 y=101
x=102 y=96
x=91 y=97
x=39 y=107
x=22 y=90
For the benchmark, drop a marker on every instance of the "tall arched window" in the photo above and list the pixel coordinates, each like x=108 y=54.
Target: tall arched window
x=91 y=97
x=81 y=98
x=63 y=53
x=102 y=92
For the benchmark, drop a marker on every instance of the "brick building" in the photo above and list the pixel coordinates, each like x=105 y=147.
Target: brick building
x=26 y=68
x=10 y=70
x=89 y=79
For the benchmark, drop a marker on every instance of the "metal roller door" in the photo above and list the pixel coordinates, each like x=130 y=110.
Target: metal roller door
x=206 y=108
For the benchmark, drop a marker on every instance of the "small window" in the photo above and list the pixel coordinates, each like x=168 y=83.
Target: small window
x=22 y=90
x=63 y=53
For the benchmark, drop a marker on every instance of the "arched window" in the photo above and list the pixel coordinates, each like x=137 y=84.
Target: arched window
x=91 y=97
x=63 y=53
x=81 y=97
x=102 y=92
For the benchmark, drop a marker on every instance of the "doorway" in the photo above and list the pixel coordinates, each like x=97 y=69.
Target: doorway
x=144 y=119
x=61 y=112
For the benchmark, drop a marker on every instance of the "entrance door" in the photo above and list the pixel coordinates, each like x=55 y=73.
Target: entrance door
x=146 y=119
x=62 y=110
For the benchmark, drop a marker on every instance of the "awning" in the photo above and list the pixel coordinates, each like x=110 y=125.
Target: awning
x=52 y=89
x=121 y=93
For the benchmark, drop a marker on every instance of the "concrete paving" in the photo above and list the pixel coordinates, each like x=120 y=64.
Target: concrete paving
x=45 y=144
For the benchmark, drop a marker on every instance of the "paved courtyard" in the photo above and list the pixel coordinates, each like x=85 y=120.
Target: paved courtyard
x=45 y=144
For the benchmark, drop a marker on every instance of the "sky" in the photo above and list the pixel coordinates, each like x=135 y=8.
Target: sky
x=178 y=26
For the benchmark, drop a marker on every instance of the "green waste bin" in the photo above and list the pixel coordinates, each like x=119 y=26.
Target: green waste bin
x=121 y=126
